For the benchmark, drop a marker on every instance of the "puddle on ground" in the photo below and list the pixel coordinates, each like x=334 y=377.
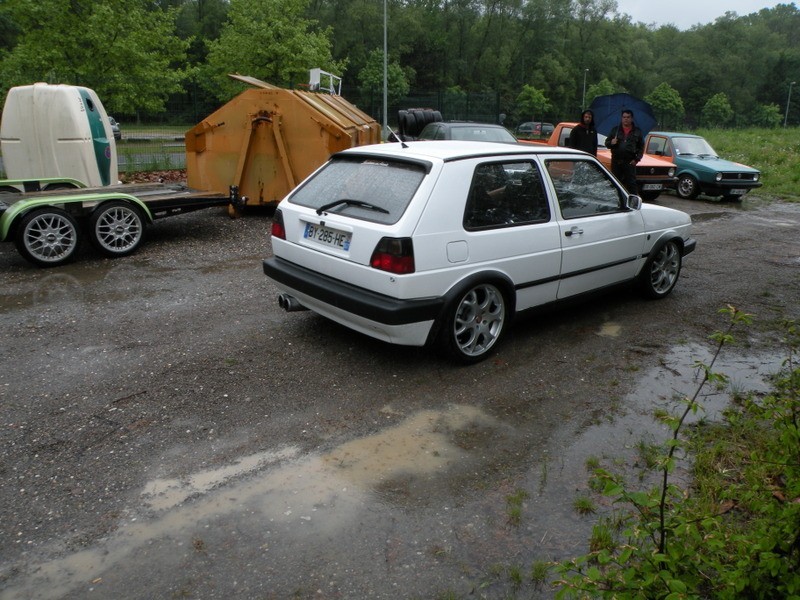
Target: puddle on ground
x=323 y=491
x=610 y=329
x=323 y=517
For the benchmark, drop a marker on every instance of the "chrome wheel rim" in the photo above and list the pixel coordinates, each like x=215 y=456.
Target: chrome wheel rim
x=479 y=320
x=118 y=229
x=50 y=237
x=665 y=268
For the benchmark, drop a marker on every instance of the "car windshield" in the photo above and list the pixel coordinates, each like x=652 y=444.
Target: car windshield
x=692 y=146
x=480 y=133
x=367 y=188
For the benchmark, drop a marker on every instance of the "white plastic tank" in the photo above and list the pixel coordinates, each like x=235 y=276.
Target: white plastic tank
x=57 y=131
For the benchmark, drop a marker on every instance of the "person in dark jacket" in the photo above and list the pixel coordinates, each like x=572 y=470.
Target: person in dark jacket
x=626 y=143
x=584 y=136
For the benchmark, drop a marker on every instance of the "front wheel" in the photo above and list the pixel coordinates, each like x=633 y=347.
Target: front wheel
x=474 y=323
x=117 y=228
x=661 y=271
x=687 y=187
x=48 y=237
x=649 y=195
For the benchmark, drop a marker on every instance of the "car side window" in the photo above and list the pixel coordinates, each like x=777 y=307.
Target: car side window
x=504 y=195
x=583 y=189
x=658 y=146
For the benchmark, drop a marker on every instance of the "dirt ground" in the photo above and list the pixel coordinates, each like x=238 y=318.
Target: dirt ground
x=167 y=431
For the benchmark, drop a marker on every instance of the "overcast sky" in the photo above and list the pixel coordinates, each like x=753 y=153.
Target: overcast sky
x=685 y=13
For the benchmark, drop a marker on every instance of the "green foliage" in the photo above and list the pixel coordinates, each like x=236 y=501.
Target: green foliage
x=602 y=88
x=736 y=533
x=370 y=78
x=667 y=105
x=717 y=112
x=531 y=102
x=766 y=115
x=269 y=40
x=125 y=50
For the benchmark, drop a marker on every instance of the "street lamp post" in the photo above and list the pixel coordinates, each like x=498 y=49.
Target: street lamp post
x=788 y=100
x=385 y=78
x=583 y=99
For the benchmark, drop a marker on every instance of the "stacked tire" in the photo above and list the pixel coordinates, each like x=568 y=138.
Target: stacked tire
x=413 y=120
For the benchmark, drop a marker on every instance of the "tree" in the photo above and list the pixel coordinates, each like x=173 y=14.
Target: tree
x=717 y=112
x=667 y=104
x=766 y=115
x=269 y=40
x=531 y=102
x=123 y=49
x=370 y=78
x=602 y=88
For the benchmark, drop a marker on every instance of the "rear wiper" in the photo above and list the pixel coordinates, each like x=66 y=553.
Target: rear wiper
x=350 y=202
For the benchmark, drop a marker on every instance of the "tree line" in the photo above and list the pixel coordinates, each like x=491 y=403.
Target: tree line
x=547 y=58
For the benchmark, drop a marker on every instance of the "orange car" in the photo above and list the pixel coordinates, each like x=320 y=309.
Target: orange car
x=653 y=174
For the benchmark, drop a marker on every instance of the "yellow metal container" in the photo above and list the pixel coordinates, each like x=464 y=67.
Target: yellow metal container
x=268 y=139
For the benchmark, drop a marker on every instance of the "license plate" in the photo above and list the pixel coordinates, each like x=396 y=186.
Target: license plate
x=327 y=236
x=737 y=192
x=652 y=186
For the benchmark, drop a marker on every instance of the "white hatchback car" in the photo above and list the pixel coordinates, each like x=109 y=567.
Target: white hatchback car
x=443 y=242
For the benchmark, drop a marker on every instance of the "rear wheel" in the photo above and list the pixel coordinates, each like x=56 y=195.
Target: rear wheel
x=117 y=228
x=660 y=273
x=48 y=237
x=474 y=323
x=687 y=187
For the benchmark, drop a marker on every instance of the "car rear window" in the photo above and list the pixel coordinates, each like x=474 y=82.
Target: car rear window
x=367 y=188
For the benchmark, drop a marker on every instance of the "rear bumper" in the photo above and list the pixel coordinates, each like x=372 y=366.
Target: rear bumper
x=689 y=246
x=390 y=319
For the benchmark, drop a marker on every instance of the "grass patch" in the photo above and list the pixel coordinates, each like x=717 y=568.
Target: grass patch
x=734 y=531
x=514 y=504
x=774 y=152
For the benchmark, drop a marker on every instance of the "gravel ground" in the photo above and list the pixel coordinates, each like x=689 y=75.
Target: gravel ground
x=167 y=431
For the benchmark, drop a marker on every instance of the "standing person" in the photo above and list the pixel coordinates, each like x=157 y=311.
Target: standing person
x=584 y=136
x=626 y=143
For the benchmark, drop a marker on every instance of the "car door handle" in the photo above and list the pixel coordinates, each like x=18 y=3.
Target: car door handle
x=573 y=231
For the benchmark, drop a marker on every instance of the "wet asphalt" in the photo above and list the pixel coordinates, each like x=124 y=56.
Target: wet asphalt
x=166 y=431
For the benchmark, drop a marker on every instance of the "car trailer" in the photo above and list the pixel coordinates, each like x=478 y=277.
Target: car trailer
x=48 y=223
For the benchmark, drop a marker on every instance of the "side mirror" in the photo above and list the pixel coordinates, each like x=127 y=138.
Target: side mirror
x=634 y=203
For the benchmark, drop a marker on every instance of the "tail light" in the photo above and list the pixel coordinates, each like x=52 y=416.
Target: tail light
x=395 y=255
x=278 y=230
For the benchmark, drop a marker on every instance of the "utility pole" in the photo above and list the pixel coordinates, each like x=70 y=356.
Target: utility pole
x=385 y=78
x=788 y=100
x=583 y=99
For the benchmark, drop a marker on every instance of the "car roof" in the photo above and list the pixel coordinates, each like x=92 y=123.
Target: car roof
x=447 y=150
x=674 y=134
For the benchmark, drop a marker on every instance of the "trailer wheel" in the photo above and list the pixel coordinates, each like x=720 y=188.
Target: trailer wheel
x=48 y=237
x=117 y=228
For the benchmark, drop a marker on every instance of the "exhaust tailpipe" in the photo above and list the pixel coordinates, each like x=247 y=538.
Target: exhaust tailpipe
x=290 y=303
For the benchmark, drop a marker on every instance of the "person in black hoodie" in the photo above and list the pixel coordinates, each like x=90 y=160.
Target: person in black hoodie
x=584 y=136
x=626 y=143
